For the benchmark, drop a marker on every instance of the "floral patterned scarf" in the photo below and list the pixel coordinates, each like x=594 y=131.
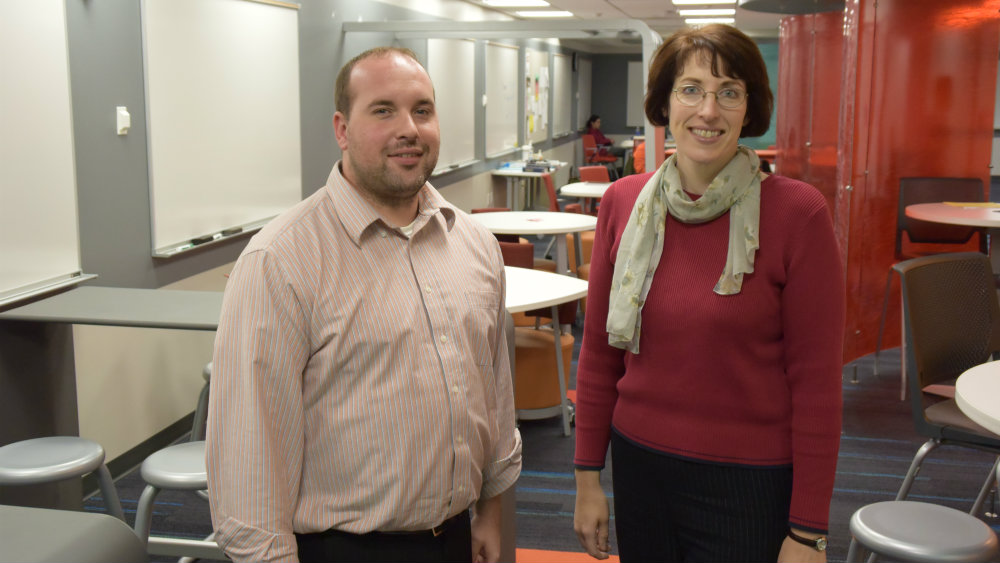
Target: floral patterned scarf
x=735 y=189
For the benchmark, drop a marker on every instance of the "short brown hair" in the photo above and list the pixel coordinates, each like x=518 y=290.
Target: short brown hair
x=341 y=92
x=731 y=53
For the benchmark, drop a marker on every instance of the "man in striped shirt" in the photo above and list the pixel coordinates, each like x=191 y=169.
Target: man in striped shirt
x=361 y=397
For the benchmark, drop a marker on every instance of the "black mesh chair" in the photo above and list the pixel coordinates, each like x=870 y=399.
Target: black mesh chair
x=952 y=322
x=929 y=190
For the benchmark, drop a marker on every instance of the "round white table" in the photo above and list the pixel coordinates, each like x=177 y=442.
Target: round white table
x=541 y=223
x=534 y=289
x=977 y=393
x=976 y=214
x=593 y=190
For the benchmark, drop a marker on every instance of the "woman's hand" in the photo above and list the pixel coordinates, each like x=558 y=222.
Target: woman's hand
x=590 y=519
x=795 y=552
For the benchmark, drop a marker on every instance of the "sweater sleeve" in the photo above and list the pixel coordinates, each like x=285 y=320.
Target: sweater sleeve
x=813 y=309
x=601 y=366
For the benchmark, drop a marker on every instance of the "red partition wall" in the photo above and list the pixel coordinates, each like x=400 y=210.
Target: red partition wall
x=810 y=50
x=918 y=93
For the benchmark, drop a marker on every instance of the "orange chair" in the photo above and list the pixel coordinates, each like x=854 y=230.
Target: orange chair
x=586 y=237
x=592 y=155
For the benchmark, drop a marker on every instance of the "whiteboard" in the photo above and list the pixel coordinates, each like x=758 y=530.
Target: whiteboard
x=222 y=105
x=562 y=95
x=583 y=86
x=635 y=115
x=536 y=95
x=451 y=65
x=39 y=236
x=501 y=98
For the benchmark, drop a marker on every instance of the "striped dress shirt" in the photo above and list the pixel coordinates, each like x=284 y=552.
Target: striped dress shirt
x=361 y=380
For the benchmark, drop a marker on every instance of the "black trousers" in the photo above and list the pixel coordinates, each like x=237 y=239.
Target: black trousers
x=454 y=544
x=674 y=509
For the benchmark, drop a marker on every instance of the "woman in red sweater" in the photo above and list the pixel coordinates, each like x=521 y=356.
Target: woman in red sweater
x=711 y=357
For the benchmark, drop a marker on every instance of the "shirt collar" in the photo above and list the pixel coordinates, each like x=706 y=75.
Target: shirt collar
x=357 y=215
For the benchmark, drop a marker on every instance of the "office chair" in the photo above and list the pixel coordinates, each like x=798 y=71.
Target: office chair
x=592 y=155
x=929 y=190
x=55 y=458
x=951 y=321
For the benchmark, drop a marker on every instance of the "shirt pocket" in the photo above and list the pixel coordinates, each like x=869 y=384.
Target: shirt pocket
x=481 y=323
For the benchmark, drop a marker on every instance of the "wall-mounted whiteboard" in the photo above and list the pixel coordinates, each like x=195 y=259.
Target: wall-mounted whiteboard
x=635 y=115
x=39 y=238
x=451 y=64
x=562 y=95
x=222 y=104
x=536 y=95
x=584 y=77
x=501 y=98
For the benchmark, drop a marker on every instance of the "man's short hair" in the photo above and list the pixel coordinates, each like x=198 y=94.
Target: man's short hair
x=342 y=97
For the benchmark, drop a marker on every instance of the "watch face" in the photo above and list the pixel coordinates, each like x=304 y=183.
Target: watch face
x=821 y=544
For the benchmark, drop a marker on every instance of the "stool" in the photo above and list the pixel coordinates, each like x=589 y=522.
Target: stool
x=201 y=410
x=54 y=458
x=178 y=467
x=920 y=532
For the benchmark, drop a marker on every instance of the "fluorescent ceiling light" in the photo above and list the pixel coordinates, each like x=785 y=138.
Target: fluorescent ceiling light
x=708 y=12
x=700 y=21
x=516 y=3
x=701 y=2
x=545 y=14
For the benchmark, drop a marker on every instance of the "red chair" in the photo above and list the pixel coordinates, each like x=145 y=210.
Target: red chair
x=592 y=155
x=593 y=174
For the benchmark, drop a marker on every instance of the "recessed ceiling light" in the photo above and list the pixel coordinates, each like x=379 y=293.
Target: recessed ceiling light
x=701 y=2
x=516 y=3
x=700 y=21
x=708 y=12
x=545 y=14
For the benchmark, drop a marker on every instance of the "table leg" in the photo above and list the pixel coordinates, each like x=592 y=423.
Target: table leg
x=578 y=247
x=994 y=237
x=560 y=370
x=510 y=193
x=562 y=255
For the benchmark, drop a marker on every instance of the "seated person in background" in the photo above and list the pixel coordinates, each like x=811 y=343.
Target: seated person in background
x=604 y=144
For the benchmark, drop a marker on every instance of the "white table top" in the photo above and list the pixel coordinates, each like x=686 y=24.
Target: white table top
x=977 y=392
x=971 y=215
x=585 y=189
x=534 y=289
x=535 y=222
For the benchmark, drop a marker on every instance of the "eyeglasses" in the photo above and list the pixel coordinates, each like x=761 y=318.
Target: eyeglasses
x=692 y=95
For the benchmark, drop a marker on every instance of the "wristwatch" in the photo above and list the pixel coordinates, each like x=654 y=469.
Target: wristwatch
x=819 y=544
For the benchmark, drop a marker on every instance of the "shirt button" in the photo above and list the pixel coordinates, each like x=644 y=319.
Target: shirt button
x=444 y=338
x=460 y=440
x=383 y=234
x=454 y=389
x=427 y=288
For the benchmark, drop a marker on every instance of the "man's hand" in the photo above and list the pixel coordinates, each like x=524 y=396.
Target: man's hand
x=590 y=520
x=486 y=531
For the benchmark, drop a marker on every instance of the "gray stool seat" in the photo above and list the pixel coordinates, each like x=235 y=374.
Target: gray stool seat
x=919 y=531
x=55 y=458
x=179 y=467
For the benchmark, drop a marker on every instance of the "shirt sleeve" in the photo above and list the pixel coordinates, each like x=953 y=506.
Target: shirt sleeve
x=813 y=310
x=503 y=470
x=255 y=428
x=600 y=365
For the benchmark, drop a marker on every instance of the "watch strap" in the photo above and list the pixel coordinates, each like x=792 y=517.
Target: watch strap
x=819 y=544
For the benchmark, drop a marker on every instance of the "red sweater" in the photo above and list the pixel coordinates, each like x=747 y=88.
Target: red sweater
x=752 y=379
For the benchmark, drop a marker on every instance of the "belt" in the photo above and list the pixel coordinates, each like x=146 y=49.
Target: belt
x=434 y=532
